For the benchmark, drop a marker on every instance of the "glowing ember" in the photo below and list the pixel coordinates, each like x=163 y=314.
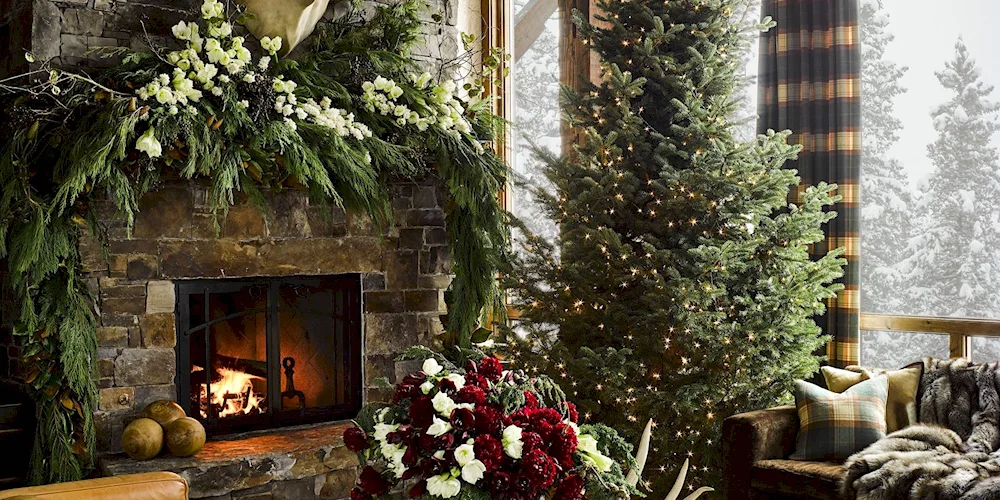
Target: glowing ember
x=232 y=394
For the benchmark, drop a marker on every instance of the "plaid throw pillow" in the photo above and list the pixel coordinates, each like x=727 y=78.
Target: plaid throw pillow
x=834 y=426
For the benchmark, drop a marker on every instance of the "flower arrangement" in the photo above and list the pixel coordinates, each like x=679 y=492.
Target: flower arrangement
x=485 y=432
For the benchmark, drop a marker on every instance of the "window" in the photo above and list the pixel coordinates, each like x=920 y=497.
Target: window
x=930 y=174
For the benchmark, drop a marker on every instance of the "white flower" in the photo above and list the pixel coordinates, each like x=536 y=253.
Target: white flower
x=395 y=92
x=457 y=379
x=426 y=387
x=511 y=440
x=398 y=467
x=148 y=144
x=368 y=86
x=300 y=113
x=212 y=8
x=181 y=31
x=464 y=454
x=382 y=83
x=244 y=104
x=217 y=91
x=439 y=427
x=587 y=446
x=272 y=45
x=249 y=78
x=173 y=110
x=221 y=31
x=473 y=471
x=445 y=485
x=165 y=96
x=439 y=454
x=291 y=124
x=264 y=62
x=443 y=404
x=382 y=431
x=206 y=73
x=431 y=367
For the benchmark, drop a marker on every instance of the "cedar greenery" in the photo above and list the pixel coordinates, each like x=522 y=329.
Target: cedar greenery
x=70 y=141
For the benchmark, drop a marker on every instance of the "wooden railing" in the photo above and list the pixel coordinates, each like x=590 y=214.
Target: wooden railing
x=959 y=330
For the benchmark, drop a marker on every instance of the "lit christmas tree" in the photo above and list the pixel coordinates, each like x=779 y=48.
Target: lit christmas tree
x=951 y=260
x=680 y=287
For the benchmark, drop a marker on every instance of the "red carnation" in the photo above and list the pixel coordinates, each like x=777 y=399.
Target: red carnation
x=447 y=385
x=470 y=367
x=491 y=368
x=538 y=470
x=357 y=494
x=372 y=483
x=563 y=445
x=488 y=420
x=422 y=412
x=463 y=419
x=471 y=394
x=405 y=391
x=499 y=482
x=532 y=441
x=489 y=450
x=574 y=415
x=355 y=439
x=530 y=400
x=415 y=379
x=410 y=456
x=478 y=380
x=571 y=488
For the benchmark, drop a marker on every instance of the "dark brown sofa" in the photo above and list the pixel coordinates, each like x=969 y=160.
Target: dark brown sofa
x=756 y=447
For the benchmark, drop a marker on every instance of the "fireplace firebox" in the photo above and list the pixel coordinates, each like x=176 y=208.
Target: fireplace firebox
x=269 y=352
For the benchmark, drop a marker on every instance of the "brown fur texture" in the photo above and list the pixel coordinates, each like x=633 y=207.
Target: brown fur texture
x=951 y=455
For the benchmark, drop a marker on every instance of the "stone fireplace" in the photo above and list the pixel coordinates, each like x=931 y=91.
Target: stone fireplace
x=277 y=321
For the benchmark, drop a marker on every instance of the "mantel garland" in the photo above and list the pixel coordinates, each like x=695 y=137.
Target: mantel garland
x=341 y=122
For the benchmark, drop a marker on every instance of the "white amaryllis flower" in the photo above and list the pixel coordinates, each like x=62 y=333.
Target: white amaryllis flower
x=212 y=8
x=427 y=387
x=431 y=367
x=443 y=404
x=511 y=440
x=465 y=454
x=473 y=471
x=587 y=446
x=148 y=144
x=223 y=30
x=444 y=485
x=438 y=427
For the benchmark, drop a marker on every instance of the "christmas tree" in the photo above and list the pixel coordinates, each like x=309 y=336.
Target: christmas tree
x=886 y=220
x=680 y=287
x=951 y=260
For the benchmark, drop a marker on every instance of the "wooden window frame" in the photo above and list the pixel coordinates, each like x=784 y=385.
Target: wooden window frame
x=959 y=330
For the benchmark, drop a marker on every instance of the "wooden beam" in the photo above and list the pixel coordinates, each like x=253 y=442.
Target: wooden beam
x=530 y=24
x=926 y=324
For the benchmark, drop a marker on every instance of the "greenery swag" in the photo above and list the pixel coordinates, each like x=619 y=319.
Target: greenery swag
x=340 y=122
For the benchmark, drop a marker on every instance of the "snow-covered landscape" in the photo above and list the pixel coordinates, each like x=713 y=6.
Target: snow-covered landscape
x=930 y=173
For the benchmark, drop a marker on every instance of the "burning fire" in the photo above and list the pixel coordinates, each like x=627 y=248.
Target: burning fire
x=233 y=394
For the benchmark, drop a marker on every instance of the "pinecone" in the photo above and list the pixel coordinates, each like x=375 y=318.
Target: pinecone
x=260 y=95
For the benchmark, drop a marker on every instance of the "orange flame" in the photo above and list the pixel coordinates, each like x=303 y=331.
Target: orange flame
x=239 y=387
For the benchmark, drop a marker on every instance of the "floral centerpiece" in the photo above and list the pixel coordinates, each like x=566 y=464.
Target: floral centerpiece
x=485 y=432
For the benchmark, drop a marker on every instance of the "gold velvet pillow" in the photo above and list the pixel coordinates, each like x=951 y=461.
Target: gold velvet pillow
x=901 y=408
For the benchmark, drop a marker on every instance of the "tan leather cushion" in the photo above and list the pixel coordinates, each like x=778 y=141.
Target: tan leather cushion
x=149 y=486
x=797 y=478
x=901 y=408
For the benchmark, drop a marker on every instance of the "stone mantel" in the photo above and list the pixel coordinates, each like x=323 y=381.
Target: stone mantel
x=287 y=463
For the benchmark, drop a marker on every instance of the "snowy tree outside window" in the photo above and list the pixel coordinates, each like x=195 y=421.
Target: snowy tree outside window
x=930 y=171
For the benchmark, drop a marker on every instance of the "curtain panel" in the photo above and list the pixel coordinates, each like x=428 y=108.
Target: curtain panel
x=810 y=83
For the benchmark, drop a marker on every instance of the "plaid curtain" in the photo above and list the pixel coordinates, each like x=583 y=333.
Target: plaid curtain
x=810 y=83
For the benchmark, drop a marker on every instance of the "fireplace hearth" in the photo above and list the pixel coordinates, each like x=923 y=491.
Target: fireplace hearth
x=269 y=352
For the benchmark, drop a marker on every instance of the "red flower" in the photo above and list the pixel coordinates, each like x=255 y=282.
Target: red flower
x=531 y=401
x=470 y=367
x=574 y=415
x=538 y=470
x=418 y=489
x=372 y=483
x=478 y=380
x=540 y=420
x=532 y=441
x=471 y=394
x=422 y=412
x=491 y=368
x=563 y=445
x=489 y=450
x=355 y=439
x=571 y=488
x=463 y=419
x=447 y=385
x=357 y=494
x=498 y=483
x=415 y=379
x=404 y=391
x=488 y=420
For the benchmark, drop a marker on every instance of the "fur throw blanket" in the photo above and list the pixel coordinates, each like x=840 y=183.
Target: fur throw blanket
x=952 y=454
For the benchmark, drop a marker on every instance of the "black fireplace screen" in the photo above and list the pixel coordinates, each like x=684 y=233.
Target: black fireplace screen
x=254 y=354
